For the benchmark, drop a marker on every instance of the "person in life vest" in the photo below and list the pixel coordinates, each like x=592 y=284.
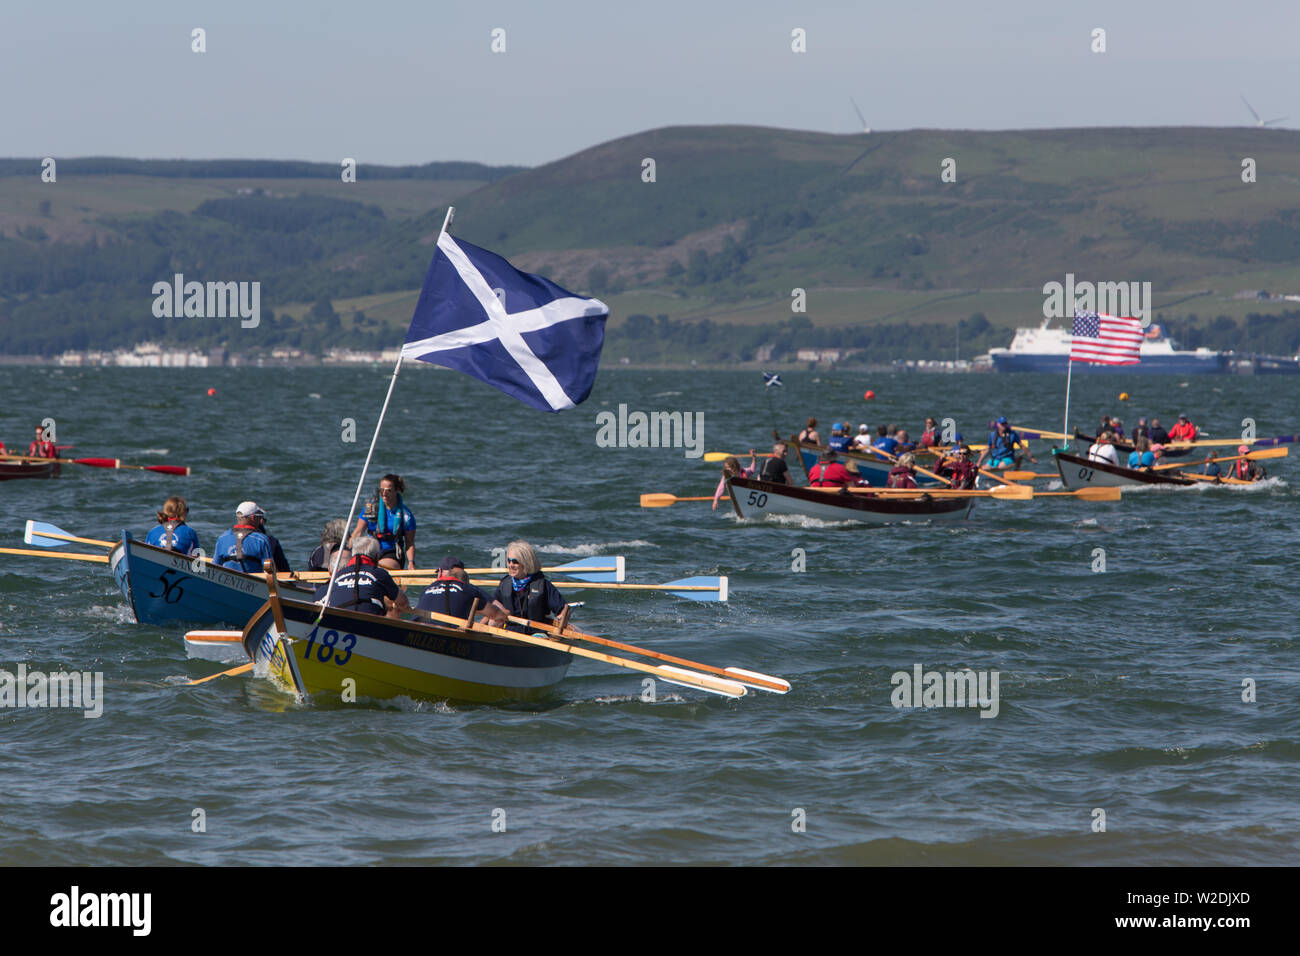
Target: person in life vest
x=387 y=519
x=524 y=591
x=246 y=545
x=1158 y=435
x=957 y=466
x=331 y=538
x=1183 y=431
x=829 y=473
x=809 y=434
x=452 y=594
x=363 y=586
x=1001 y=450
x=40 y=447
x=775 y=469
x=731 y=468
x=171 y=531
x=1141 y=456
x=838 y=442
x=930 y=435
x=902 y=475
x=1103 y=449
x=1246 y=469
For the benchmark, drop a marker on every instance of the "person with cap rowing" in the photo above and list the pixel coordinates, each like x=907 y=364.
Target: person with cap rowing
x=1001 y=450
x=246 y=545
x=452 y=594
x=829 y=473
x=171 y=531
x=1245 y=469
x=362 y=585
x=1183 y=431
x=388 y=520
x=862 y=440
x=525 y=591
x=838 y=442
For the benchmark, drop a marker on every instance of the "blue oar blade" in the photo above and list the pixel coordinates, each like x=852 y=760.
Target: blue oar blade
x=574 y=569
x=1279 y=440
x=35 y=530
x=709 y=582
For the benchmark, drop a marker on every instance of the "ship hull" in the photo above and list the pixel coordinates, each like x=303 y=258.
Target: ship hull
x=1153 y=365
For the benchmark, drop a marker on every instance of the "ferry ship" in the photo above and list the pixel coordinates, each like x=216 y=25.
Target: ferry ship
x=1048 y=350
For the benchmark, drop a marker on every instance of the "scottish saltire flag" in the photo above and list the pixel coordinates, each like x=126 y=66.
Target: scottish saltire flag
x=518 y=332
x=772 y=380
x=1105 y=339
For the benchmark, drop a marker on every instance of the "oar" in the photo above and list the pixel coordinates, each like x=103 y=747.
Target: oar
x=1028 y=433
x=1218 y=479
x=1252 y=456
x=97 y=558
x=43 y=535
x=749 y=678
x=714 y=456
x=663 y=499
x=1006 y=491
x=605 y=569
x=107 y=463
x=242 y=668
x=1096 y=493
x=673 y=675
x=703 y=588
x=1028 y=475
x=1209 y=442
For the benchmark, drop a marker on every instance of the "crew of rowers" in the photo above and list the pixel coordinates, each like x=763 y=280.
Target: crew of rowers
x=1150 y=445
x=383 y=540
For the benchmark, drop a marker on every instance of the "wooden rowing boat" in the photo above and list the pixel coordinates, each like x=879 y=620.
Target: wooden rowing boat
x=313 y=652
x=11 y=470
x=1085 y=442
x=753 y=499
x=1077 y=472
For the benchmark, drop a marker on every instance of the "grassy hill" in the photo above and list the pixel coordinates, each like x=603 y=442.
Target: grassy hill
x=736 y=218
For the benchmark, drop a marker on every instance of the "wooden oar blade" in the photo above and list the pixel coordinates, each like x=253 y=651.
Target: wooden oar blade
x=714 y=685
x=574 y=569
x=1025 y=475
x=1098 y=493
x=1012 y=492
x=36 y=531
x=658 y=500
x=1269 y=453
x=97 y=558
x=241 y=669
x=719 y=595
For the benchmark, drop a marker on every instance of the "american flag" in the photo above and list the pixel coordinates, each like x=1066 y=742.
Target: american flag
x=1105 y=339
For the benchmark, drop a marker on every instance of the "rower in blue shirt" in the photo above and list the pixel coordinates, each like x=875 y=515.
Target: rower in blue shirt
x=1003 y=441
x=391 y=523
x=171 y=531
x=246 y=545
x=885 y=441
x=838 y=441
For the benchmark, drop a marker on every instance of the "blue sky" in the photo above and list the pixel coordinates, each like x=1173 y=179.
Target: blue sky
x=410 y=82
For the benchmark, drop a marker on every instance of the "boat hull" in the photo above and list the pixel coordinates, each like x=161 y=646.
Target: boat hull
x=1079 y=472
x=164 y=588
x=12 y=470
x=754 y=499
x=317 y=652
x=1150 y=365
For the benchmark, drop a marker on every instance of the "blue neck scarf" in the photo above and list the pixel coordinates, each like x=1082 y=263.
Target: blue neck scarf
x=520 y=583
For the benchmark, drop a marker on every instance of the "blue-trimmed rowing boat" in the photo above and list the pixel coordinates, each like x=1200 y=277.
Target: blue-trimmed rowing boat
x=163 y=587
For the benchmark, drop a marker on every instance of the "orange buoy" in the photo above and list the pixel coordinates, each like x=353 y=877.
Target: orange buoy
x=1123 y=396
x=868 y=395
x=212 y=391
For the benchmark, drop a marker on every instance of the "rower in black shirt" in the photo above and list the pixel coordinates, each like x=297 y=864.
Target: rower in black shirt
x=362 y=585
x=774 y=469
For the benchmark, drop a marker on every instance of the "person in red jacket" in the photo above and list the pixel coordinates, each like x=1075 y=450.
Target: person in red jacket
x=40 y=448
x=829 y=473
x=1183 y=431
x=902 y=475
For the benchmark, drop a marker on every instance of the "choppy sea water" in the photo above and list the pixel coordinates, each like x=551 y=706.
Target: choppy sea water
x=1119 y=690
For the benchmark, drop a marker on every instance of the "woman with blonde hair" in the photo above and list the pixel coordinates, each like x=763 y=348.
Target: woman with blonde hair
x=731 y=468
x=902 y=475
x=524 y=591
x=171 y=531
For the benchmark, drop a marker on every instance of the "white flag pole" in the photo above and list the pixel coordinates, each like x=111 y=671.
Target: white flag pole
x=1065 y=427
x=374 y=439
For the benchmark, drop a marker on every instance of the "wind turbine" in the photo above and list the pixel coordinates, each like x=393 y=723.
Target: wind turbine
x=865 y=127
x=1261 y=123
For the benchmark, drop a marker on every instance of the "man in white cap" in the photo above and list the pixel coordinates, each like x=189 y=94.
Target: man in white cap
x=862 y=441
x=246 y=545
